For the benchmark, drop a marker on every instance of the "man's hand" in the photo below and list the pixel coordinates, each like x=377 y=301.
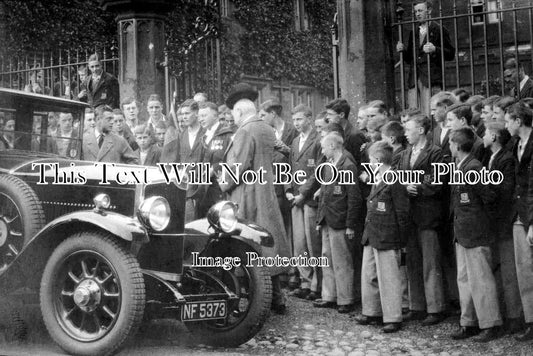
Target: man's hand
x=298 y=200
x=350 y=233
x=289 y=196
x=412 y=190
x=280 y=146
x=363 y=177
x=400 y=47
x=429 y=48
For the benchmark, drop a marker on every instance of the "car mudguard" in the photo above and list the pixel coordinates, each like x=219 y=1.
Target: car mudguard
x=29 y=263
x=245 y=231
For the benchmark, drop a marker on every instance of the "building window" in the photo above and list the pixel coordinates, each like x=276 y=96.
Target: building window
x=480 y=6
x=301 y=18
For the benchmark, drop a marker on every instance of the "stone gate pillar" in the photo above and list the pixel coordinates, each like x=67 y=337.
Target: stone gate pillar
x=366 y=68
x=141 y=40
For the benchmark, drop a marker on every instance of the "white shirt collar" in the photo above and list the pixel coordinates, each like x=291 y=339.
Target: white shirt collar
x=523 y=82
x=209 y=133
x=462 y=161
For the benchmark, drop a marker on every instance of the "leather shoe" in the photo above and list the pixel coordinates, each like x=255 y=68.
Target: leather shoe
x=465 y=332
x=433 y=319
x=415 y=315
x=392 y=327
x=319 y=303
x=526 y=335
x=313 y=296
x=514 y=325
x=346 y=308
x=300 y=293
x=486 y=335
x=368 y=320
x=279 y=308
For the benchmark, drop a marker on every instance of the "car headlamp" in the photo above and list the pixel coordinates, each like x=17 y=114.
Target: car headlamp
x=102 y=201
x=155 y=212
x=223 y=216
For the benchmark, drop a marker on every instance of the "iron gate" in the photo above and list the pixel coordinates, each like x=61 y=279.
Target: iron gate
x=484 y=33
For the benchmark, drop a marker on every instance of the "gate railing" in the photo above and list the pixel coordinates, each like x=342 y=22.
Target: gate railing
x=479 y=61
x=54 y=71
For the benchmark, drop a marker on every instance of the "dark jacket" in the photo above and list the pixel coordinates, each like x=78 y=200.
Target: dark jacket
x=523 y=179
x=353 y=140
x=305 y=160
x=501 y=211
x=469 y=206
x=444 y=145
x=426 y=206
x=152 y=157
x=214 y=155
x=340 y=205
x=446 y=48
x=526 y=92
x=191 y=155
x=106 y=92
x=387 y=218
x=396 y=156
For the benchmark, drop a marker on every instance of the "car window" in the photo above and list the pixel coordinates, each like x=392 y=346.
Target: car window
x=41 y=130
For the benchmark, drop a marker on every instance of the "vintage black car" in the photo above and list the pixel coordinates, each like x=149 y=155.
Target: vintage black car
x=106 y=251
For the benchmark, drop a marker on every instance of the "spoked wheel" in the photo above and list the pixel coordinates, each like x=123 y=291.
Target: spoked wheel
x=248 y=313
x=21 y=217
x=92 y=294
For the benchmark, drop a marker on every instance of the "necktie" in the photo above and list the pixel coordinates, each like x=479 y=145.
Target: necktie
x=100 y=140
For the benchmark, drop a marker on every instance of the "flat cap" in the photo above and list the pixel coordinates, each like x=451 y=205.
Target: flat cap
x=241 y=91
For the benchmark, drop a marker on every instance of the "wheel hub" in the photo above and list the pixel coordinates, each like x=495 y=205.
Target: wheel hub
x=3 y=232
x=87 y=295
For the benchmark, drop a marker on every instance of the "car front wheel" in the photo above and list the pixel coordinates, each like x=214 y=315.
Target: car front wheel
x=92 y=294
x=246 y=315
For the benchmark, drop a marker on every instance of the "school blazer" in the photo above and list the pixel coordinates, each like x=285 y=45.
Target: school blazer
x=426 y=206
x=340 y=205
x=469 y=206
x=305 y=160
x=387 y=218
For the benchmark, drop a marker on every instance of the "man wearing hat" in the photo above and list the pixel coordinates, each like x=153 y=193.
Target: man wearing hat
x=270 y=112
x=253 y=148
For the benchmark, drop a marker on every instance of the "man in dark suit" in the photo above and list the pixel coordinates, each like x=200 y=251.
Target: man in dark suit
x=514 y=75
x=426 y=292
x=102 y=87
x=427 y=43
x=385 y=234
x=518 y=122
x=459 y=116
x=440 y=135
x=103 y=145
x=253 y=147
x=270 y=111
x=305 y=154
x=187 y=148
x=216 y=140
x=338 y=111
x=477 y=286
x=148 y=152
x=501 y=221
x=339 y=213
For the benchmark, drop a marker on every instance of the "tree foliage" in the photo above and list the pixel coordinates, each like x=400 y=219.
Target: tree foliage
x=260 y=38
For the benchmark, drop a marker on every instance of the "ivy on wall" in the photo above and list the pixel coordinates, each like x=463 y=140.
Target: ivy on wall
x=271 y=47
x=259 y=39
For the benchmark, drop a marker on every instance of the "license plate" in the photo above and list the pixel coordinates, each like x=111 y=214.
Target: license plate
x=215 y=309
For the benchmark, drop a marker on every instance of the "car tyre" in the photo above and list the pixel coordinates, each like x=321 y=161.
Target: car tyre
x=21 y=217
x=92 y=294
x=253 y=285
